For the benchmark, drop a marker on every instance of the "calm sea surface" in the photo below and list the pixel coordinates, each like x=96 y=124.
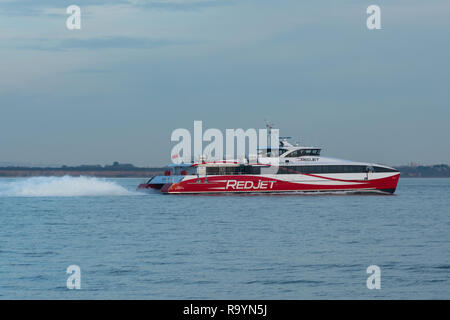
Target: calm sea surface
x=152 y=246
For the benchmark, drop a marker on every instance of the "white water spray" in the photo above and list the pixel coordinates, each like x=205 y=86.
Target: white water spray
x=66 y=186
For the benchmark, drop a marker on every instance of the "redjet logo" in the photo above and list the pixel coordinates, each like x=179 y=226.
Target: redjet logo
x=249 y=185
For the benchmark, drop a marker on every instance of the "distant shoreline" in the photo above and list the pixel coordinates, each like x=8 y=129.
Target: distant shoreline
x=16 y=172
x=59 y=173
x=118 y=170
x=115 y=170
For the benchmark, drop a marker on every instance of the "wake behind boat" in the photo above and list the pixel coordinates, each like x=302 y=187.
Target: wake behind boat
x=287 y=168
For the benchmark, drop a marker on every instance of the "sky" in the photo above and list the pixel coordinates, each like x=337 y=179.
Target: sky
x=139 y=69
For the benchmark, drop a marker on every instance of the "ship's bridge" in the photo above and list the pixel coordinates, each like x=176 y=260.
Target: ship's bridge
x=301 y=152
x=287 y=150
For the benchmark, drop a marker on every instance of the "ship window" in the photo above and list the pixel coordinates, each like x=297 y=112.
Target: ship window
x=243 y=169
x=304 y=152
x=324 y=169
x=296 y=170
x=255 y=170
x=358 y=169
x=294 y=154
x=212 y=170
x=381 y=169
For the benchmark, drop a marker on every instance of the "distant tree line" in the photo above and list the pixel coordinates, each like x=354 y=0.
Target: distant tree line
x=85 y=167
x=436 y=171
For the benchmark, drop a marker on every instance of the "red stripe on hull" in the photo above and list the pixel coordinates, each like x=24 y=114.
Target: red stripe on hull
x=230 y=184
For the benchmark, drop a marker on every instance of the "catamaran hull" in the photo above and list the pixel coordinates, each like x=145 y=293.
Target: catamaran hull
x=276 y=184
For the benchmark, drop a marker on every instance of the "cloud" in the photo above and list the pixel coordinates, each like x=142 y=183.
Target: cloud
x=115 y=42
x=181 y=4
x=34 y=7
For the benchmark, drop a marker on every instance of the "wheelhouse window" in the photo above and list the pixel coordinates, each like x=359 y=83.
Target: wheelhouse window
x=303 y=152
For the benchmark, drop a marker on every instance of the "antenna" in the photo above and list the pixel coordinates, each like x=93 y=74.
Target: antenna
x=269 y=127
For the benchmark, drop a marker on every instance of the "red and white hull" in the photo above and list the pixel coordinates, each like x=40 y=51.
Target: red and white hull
x=385 y=183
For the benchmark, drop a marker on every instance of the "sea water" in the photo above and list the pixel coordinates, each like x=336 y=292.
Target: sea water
x=152 y=246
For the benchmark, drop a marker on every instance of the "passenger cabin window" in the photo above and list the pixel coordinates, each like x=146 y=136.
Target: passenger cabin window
x=295 y=154
x=304 y=152
x=324 y=169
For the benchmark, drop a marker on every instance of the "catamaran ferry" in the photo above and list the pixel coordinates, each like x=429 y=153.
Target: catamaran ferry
x=292 y=169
